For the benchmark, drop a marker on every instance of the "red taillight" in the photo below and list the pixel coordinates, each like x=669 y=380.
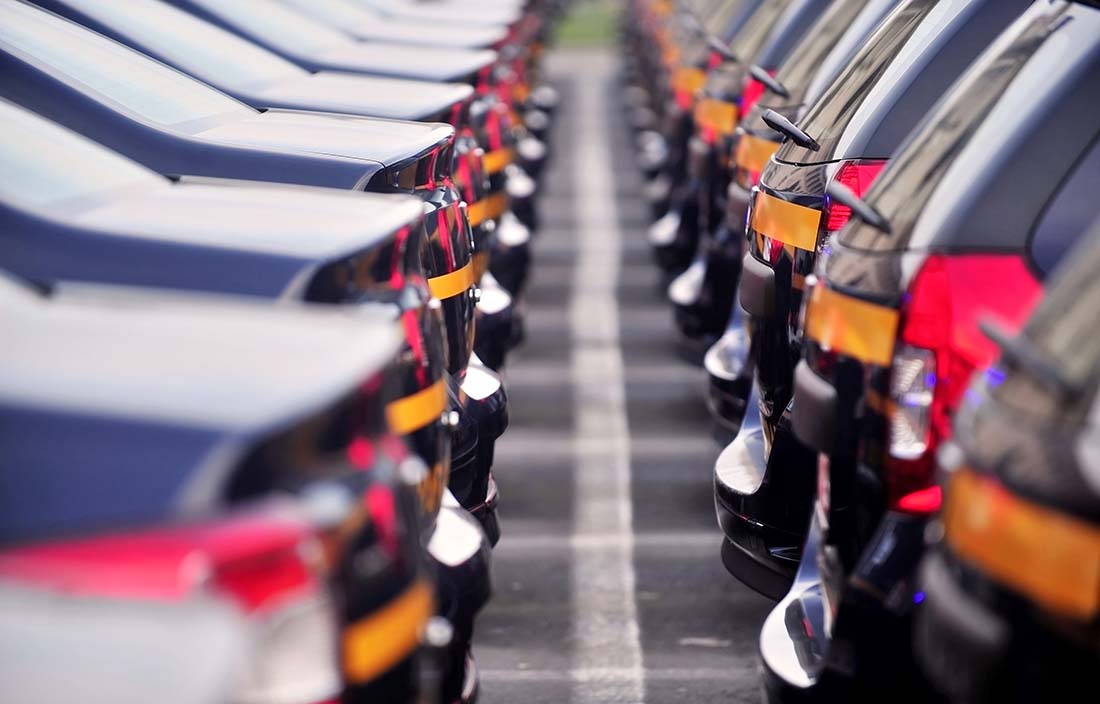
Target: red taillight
x=751 y=93
x=857 y=176
x=940 y=347
x=256 y=559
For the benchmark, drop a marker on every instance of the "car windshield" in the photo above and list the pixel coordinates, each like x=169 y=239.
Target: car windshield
x=978 y=102
x=277 y=24
x=43 y=164
x=199 y=47
x=124 y=77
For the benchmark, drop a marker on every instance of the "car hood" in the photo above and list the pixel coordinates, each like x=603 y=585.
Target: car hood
x=303 y=223
x=197 y=362
x=427 y=63
x=331 y=91
x=383 y=141
x=411 y=31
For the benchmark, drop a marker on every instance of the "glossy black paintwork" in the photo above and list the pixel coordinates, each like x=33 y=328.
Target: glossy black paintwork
x=798 y=175
x=432 y=63
x=183 y=149
x=1017 y=84
x=767 y=40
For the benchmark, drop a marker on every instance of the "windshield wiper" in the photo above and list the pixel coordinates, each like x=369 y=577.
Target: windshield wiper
x=784 y=126
x=769 y=81
x=719 y=47
x=845 y=196
x=1019 y=350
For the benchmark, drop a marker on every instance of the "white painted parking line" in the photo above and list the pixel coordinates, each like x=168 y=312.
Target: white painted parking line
x=601 y=674
x=530 y=544
x=608 y=654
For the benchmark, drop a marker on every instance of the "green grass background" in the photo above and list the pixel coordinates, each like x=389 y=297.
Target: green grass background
x=589 y=23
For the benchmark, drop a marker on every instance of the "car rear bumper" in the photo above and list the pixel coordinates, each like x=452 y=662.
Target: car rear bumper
x=729 y=373
x=864 y=652
x=763 y=502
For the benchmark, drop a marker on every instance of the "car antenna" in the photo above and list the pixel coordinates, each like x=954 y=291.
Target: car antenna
x=769 y=81
x=781 y=124
x=1021 y=352
x=845 y=196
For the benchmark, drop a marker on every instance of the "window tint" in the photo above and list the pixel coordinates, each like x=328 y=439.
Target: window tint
x=1072 y=210
x=123 y=76
x=200 y=47
x=752 y=35
x=42 y=163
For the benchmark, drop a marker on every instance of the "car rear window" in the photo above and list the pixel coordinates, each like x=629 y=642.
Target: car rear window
x=1070 y=212
x=804 y=61
x=121 y=75
x=755 y=31
x=984 y=166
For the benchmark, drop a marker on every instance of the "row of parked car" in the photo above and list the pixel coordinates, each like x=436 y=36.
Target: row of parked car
x=260 y=263
x=878 y=219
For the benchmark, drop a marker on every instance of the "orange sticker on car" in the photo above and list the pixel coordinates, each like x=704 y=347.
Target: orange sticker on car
x=852 y=327
x=753 y=153
x=788 y=223
x=1043 y=554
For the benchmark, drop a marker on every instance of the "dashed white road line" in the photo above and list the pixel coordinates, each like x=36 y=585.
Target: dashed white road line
x=607 y=655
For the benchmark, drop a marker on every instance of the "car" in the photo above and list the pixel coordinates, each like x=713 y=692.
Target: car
x=1009 y=593
x=138 y=228
x=729 y=92
x=215 y=448
x=947 y=236
x=798 y=83
x=677 y=72
x=674 y=237
x=264 y=80
x=143 y=119
x=299 y=38
x=362 y=22
x=764 y=479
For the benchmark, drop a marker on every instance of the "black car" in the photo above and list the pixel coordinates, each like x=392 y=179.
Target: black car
x=362 y=22
x=87 y=215
x=179 y=427
x=298 y=37
x=1010 y=592
x=948 y=236
x=730 y=92
x=798 y=83
x=764 y=480
x=667 y=68
x=703 y=306
x=267 y=81
x=674 y=236
x=180 y=127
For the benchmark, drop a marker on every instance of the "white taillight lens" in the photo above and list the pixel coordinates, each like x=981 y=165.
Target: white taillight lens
x=912 y=384
x=295 y=659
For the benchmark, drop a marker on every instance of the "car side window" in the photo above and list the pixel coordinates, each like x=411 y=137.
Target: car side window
x=1072 y=210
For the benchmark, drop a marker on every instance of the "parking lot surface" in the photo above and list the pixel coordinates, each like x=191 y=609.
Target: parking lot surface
x=609 y=587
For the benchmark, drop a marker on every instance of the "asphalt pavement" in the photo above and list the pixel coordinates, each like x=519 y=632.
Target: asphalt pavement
x=608 y=582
